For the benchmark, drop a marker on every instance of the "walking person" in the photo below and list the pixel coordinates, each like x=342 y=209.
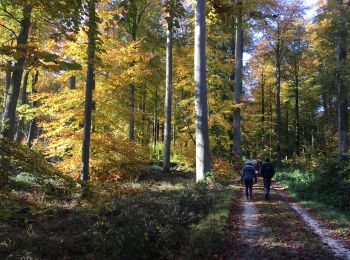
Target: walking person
x=249 y=178
x=267 y=172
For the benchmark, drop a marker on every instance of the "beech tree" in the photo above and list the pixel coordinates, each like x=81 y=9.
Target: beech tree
x=237 y=146
x=201 y=105
x=9 y=115
x=63 y=15
x=168 y=87
x=90 y=85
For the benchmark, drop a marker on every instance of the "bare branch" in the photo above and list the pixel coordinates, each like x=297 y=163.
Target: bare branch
x=11 y=30
x=10 y=15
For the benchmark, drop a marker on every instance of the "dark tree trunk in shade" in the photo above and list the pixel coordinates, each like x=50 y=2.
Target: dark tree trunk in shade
x=168 y=96
x=90 y=84
x=32 y=125
x=71 y=82
x=23 y=100
x=262 y=108
x=155 y=118
x=342 y=92
x=287 y=132
x=296 y=111
x=201 y=105
x=132 y=112
x=7 y=83
x=278 y=102
x=9 y=115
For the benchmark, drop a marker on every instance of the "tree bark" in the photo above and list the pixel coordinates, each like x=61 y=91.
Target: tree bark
x=155 y=118
x=132 y=112
x=237 y=145
x=278 y=101
x=7 y=83
x=32 y=125
x=168 y=97
x=342 y=94
x=90 y=83
x=71 y=82
x=262 y=108
x=9 y=115
x=23 y=100
x=296 y=111
x=201 y=106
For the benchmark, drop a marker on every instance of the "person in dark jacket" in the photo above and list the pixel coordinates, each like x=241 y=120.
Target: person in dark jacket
x=267 y=172
x=249 y=176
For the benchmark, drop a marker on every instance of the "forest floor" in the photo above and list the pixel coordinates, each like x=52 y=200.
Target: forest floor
x=280 y=228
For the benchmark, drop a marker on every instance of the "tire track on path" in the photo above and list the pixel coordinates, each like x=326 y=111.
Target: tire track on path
x=337 y=246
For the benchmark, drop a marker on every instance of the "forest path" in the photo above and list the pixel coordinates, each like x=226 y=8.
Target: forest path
x=338 y=247
x=251 y=231
x=273 y=229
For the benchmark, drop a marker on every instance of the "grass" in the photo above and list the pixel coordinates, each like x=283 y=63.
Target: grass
x=322 y=203
x=163 y=216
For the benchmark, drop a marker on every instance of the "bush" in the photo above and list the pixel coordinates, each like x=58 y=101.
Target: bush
x=224 y=171
x=328 y=181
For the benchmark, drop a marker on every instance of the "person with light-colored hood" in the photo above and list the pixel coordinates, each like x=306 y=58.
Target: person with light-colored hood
x=249 y=178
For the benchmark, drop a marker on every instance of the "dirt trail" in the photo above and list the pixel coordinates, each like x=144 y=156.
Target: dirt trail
x=250 y=233
x=338 y=248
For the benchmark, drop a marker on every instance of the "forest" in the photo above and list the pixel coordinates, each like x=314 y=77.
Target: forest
x=127 y=127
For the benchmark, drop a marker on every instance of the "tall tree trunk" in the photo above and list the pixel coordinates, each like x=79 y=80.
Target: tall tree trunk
x=287 y=132
x=271 y=119
x=9 y=115
x=132 y=112
x=7 y=83
x=262 y=108
x=155 y=118
x=23 y=100
x=278 y=104
x=168 y=96
x=201 y=106
x=90 y=83
x=296 y=111
x=32 y=125
x=132 y=90
x=237 y=146
x=71 y=82
x=342 y=96
x=342 y=93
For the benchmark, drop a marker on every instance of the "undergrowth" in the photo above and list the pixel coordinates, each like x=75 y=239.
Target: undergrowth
x=160 y=216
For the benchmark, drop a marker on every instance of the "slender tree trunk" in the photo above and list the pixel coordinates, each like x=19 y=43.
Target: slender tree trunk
x=9 y=115
x=90 y=83
x=132 y=91
x=342 y=96
x=132 y=112
x=32 y=125
x=287 y=132
x=168 y=96
x=23 y=100
x=278 y=105
x=201 y=106
x=271 y=119
x=7 y=83
x=237 y=146
x=342 y=93
x=296 y=110
x=262 y=108
x=155 y=118
x=71 y=82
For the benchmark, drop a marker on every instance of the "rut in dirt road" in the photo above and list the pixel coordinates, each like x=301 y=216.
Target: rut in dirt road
x=338 y=248
x=250 y=233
